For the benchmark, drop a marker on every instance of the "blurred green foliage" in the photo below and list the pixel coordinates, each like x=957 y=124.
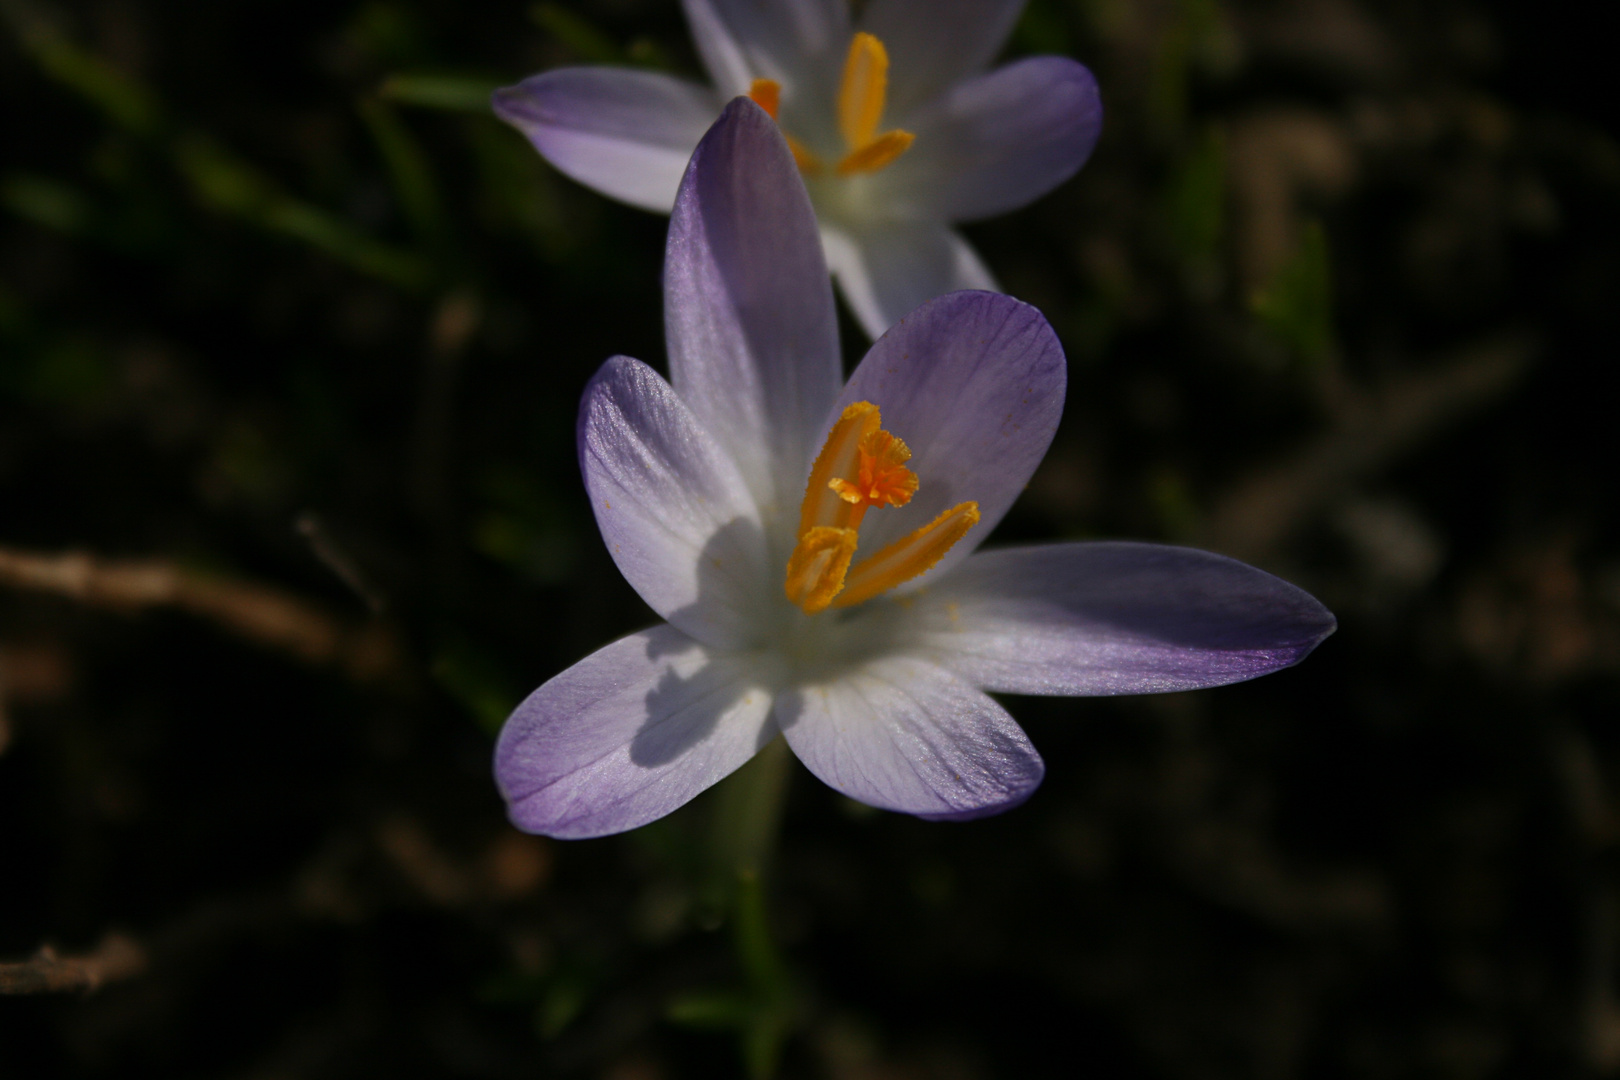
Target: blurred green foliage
x=767 y=1008
x=1195 y=200
x=475 y=680
x=1297 y=304
x=576 y=34
x=451 y=92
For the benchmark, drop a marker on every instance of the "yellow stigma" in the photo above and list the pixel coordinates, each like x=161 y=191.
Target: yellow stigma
x=862 y=94
x=881 y=477
x=861 y=466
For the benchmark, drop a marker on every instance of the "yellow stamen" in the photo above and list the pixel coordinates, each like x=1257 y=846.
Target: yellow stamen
x=840 y=457
x=807 y=161
x=863 y=90
x=861 y=98
x=877 y=154
x=908 y=557
x=767 y=94
x=817 y=567
x=861 y=466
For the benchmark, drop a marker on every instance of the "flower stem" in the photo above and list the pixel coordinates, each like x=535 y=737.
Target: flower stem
x=747 y=816
x=747 y=813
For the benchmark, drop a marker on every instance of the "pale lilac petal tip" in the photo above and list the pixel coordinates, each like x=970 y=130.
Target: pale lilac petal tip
x=673 y=509
x=993 y=143
x=1114 y=618
x=974 y=384
x=888 y=269
x=794 y=42
x=903 y=734
x=933 y=43
x=629 y=734
x=983 y=811
x=626 y=133
x=748 y=309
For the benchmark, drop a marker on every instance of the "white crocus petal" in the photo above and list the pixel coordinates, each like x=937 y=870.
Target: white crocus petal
x=887 y=269
x=1109 y=618
x=631 y=732
x=933 y=43
x=748 y=308
x=791 y=41
x=672 y=506
x=626 y=133
x=995 y=142
x=902 y=734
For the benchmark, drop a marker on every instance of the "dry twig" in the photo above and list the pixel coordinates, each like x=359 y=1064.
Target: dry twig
x=116 y=958
x=258 y=613
x=1259 y=514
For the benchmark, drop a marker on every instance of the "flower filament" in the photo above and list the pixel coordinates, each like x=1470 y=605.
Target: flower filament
x=862 y=467
x=862 y=94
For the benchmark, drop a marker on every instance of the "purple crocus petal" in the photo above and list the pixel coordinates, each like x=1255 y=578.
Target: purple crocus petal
x=672 y=507
x=629 y=734
x=933 y=43
x=748 y=309
x=1113 y=618
x=786 y=40
x=886 y=270
x=973 y=382
x=903 y=734
x=626 y=133
x=995 y=142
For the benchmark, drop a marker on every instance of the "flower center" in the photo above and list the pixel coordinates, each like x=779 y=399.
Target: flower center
x=861 y=467
x=861 y=96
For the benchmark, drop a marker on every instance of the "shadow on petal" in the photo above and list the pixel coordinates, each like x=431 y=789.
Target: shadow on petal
x=787 y=708
x=683 y=710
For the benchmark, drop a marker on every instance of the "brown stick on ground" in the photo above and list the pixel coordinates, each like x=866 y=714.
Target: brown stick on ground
x=258 y=613
x=117 y=957
x=1251 y=520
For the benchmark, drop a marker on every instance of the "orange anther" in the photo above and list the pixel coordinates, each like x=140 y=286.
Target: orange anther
x=817 y=567
x=863 y=90
x=767 y=94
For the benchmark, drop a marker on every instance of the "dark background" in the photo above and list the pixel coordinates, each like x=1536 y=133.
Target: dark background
x=292 y=334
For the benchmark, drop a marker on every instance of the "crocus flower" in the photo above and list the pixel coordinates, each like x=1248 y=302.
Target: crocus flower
x=811 y=543
x=897 y=126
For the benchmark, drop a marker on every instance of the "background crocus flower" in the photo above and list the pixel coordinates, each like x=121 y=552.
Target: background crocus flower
x=897 y=126
x=783 y=523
